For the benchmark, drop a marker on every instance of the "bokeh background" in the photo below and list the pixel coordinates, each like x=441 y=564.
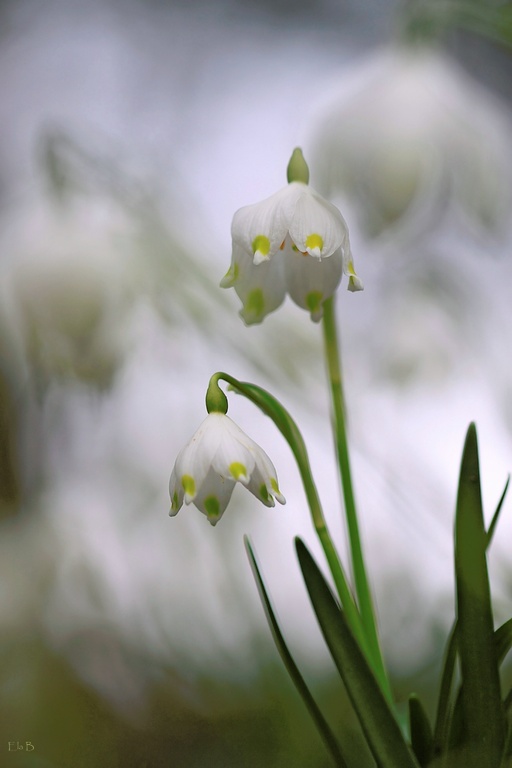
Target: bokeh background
x=130 y=132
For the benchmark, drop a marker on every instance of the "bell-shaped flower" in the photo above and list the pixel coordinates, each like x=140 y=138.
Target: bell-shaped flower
x=218 y=456
x=293 y=242
x=410 y=136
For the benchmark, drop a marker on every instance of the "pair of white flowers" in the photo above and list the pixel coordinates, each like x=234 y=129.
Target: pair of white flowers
x=293 y=242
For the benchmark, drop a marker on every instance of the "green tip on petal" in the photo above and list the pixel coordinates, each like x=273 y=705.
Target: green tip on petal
x=175 y=504
x=297 y=167
x=254 y=306
x=230 y=277
x=212 y=507
x=314 y=301
x=355 y=284
x=277 y=493
x=238 y=470
x=266 y=497
x=189 y=486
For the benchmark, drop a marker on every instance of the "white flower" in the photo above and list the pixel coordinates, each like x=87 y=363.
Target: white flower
x=293 y=242
x=410 y=136
x=66 y=288
x=218 y=456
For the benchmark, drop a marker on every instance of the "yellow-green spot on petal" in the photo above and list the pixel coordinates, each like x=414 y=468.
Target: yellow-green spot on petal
x=355 y=283
x=212 y=506
x=264 y=494
x=314 y=244
x=255 y=303
x=230 y=277
x=261 y=245
x=314 y=301
x=274 y=485
x=189 y=485
x=238 y=470
x=174 y=502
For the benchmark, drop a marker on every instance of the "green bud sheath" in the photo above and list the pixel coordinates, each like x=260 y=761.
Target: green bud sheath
x=297 y=167
x=216 y=400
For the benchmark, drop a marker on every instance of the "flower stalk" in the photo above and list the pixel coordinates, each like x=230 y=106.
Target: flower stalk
x=361 y=584
x=288 y=428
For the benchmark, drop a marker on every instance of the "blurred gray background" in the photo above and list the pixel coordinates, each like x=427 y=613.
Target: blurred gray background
x=130 y=132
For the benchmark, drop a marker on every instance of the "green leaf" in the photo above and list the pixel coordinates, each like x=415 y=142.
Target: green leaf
x=422 y=740
x=495 y=517
x=445 y=702
x=484 y=727
x=506 y=761
x=454 y=731
x=381 y=730
x=291 y=667
x=503 y=640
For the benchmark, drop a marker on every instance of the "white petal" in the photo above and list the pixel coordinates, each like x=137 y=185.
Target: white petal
x=263 y=482
x=310 y=281
x=354 y=282
x=260 y=229
x=233 y=458
x=194 y=460
x=317 y=227
x=261 y=288
x=176 y=493
x=213 y=496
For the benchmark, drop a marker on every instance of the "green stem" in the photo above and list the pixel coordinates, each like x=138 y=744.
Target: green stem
x=287 y=426
x=362 y=588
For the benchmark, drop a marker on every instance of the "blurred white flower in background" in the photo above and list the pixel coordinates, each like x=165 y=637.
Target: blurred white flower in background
x=411 y=135
x=68 y=289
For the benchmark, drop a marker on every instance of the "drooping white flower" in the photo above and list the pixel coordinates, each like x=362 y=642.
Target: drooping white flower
x=411 y=135
x=293 y=242
x=218 y=456
x=66 y=288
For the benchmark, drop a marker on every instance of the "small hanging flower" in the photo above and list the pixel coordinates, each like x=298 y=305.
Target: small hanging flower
x=218 y=456
x=293 y=242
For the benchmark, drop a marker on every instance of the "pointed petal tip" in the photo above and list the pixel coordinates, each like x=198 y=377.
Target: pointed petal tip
x=260 y=258
x=355 y=284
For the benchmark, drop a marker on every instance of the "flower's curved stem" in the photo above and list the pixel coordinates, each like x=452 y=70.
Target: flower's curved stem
x=287 y=426
x=362 y=588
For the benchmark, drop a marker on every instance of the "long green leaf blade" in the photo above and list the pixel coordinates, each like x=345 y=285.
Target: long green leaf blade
x=495 y=517
x=381 y=730
x=484 y=728
x=291 y=667
x=445 y=700
x=445 y=703
x=503 y=640
x=422 y=739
